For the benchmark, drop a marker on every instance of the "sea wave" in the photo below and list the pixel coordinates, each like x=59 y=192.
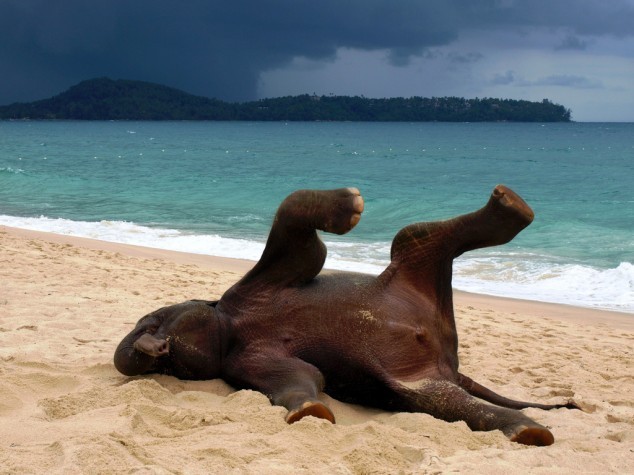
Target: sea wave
x=14 y=171
x=508 y=274
x=131 y=233
x=539 y=278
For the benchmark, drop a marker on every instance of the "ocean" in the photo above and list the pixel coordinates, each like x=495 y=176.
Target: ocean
x=213 y=188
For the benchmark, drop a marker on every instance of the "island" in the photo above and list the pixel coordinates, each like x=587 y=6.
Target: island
x=108 y=99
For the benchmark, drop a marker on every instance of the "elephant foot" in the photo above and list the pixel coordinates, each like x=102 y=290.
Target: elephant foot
x=343 y=208
x=310 y=408
x=525 y=434
x=450 y=402
x=334 y=211
x=357 y=206
x=510 y=202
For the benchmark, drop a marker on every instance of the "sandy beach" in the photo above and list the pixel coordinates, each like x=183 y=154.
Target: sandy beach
x=65 y=303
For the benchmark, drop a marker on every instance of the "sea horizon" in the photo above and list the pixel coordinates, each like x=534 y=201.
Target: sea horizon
x=212 y=188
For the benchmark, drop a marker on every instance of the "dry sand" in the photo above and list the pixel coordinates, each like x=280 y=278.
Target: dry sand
x=65 y=303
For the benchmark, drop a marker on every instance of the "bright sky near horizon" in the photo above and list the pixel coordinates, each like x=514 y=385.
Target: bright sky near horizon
x=579 y=53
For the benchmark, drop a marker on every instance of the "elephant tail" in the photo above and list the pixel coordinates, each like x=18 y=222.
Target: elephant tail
x=479 y=391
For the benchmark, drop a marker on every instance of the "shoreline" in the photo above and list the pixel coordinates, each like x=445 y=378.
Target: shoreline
x=535 y=308
x=66 y=303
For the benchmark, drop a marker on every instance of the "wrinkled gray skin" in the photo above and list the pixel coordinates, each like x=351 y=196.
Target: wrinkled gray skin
x=388 y=341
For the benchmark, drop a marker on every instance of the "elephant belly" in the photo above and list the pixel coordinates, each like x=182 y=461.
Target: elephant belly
x=362 y=338
x=374 y=331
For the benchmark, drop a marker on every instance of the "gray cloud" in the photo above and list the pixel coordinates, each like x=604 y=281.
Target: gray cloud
x=219 y=48
x=566 y=80
x=503 y=79
x=464 y=58
x=571 y=42
x=563 y=80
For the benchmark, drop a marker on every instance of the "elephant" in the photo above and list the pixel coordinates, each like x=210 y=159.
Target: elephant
x=290 y=331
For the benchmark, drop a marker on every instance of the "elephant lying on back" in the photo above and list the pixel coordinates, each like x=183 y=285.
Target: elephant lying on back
x=388 y=341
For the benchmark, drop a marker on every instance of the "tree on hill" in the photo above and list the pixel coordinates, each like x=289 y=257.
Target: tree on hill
x=107 y=99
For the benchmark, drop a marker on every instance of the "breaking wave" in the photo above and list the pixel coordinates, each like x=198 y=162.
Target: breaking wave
x=512 y=274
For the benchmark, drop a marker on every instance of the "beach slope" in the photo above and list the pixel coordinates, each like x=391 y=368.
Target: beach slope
x=65 y=303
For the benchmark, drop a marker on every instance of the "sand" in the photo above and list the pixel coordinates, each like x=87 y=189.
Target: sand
x=65 y=303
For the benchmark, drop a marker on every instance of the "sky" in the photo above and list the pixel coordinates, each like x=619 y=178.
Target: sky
x=578 y=53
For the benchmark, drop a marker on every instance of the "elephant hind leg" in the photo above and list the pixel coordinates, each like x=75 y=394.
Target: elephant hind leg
x=538 y=436
x=425 y=251
x=447 y=401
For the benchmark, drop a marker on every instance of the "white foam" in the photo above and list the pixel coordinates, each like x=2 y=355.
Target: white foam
x=368 y=258
x=16 y=171
x=535 y=279
x=508 y=274
x=130 y=233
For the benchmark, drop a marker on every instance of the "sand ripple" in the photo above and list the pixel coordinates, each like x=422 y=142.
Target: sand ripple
x=65 y=409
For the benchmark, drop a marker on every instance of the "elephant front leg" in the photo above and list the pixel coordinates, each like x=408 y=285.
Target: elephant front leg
x=445 y=400
x=294 y=253
x=301 y=403
x=286 y=381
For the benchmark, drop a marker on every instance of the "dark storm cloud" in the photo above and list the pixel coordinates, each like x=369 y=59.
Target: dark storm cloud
x=219 y=48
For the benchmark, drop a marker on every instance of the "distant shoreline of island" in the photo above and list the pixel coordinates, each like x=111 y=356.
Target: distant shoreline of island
x=108 y=99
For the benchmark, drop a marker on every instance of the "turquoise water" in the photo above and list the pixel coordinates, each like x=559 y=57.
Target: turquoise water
x=213 y=187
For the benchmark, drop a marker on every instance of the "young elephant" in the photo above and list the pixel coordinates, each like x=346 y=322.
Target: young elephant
x=388 y=341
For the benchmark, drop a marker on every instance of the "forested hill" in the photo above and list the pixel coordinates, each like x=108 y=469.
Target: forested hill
x=107 y=99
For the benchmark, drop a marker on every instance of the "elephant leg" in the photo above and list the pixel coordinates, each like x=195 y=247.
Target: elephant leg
x=294 y=253
x=423 y=253
x=445 y=400
x=286 y=381
x=479 y=391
